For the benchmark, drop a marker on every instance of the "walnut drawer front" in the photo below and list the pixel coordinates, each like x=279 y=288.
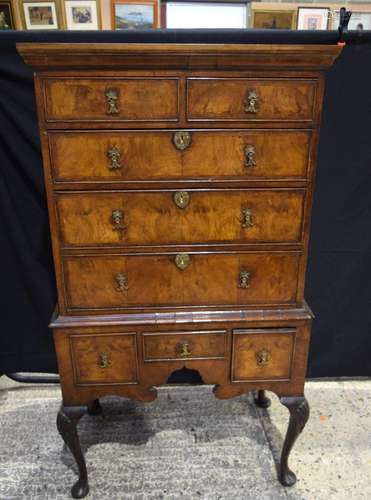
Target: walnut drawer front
x=119 y=282
x=152 y=155
x=244 y=99
x=184 y=345
x=262 y=354
x=104 y=359
x=170 y=217
x=113 y=99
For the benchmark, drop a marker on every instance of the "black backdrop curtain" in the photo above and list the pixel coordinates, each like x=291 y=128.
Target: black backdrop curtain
x=339 y=272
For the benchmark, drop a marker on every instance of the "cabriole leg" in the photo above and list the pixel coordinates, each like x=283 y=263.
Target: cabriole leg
x=299 y=414
x=261 y=399
x=67 y=420
x=94 y=408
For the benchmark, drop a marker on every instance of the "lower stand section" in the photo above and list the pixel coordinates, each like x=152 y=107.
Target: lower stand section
x=299 y=414
x=67 y=420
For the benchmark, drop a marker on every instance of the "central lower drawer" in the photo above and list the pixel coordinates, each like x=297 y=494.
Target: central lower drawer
x=176 y=217
x=128 y=281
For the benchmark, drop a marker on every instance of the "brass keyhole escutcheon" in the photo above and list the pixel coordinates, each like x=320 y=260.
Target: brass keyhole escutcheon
x=244 y=279
x=182 y=261
x=104 y=361
x=114 y=155
x=182 y=139
x=252 y=101
x=262 y=357
x=183 y=349
x=112 y=97
x=181 y=199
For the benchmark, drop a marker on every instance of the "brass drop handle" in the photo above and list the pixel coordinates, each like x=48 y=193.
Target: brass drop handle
x=122 y=282
x=182 y=139
x=183 y=349
x=112 y=98
x=182 y=260
x=252 y=101
x=181 y=199
x=246 y=221
x=250 y=156
x=114 y=156
x=117 y=219
x=104 y=361
x=262 y=357
x=244 y=279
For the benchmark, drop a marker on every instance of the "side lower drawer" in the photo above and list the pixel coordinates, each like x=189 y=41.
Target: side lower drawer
x=111 y=99
x=104 y=359
x=100 y=282
x=262 y=354
x=184 y=345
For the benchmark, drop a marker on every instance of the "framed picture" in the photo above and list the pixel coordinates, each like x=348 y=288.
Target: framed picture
x=7 y=21
x=273 y=19
x=82 y=14
x=134 y=14
x=313 y=18
x=41 y=15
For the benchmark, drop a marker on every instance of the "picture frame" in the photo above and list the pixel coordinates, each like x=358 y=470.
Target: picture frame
x=83 y=15
x=273 y=19
x=41 y=14
x=7 y=19
x=135 y=14
x=313 y=18
x=359 y=20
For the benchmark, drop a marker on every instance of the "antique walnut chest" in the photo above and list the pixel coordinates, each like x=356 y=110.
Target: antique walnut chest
x=179 y=181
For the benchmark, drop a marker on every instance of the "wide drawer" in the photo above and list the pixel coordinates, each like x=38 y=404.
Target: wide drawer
x=245 y=99
x=113 y=99
x=262 y=354
x=104 y=359
x=152 y=155
x=171 y=217
x=119 y=282
x=184 y=345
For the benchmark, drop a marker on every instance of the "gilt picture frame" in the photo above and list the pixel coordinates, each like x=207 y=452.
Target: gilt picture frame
x=135 y=14
x=82 y=15
x=7 y=19
x=41 y=15
x=273 y=19
x=313 y=18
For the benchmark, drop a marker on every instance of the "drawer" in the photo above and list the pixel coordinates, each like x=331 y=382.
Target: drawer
x=176 y=217
x=113 y=99
x=246 y=99
x=184 y=345
x=104 y=359
x=262 y=354
x=117 y=282
x=152 y=155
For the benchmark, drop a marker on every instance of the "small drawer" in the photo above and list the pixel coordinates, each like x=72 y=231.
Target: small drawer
x=152 y=155
x=176 y=217
x=104 y=359
x=245 y=99
x=99 y=282
x=188 y=345
x=262 y=354
x=114 y=99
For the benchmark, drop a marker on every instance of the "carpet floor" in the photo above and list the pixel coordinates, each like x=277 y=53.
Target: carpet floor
x=188 y=445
